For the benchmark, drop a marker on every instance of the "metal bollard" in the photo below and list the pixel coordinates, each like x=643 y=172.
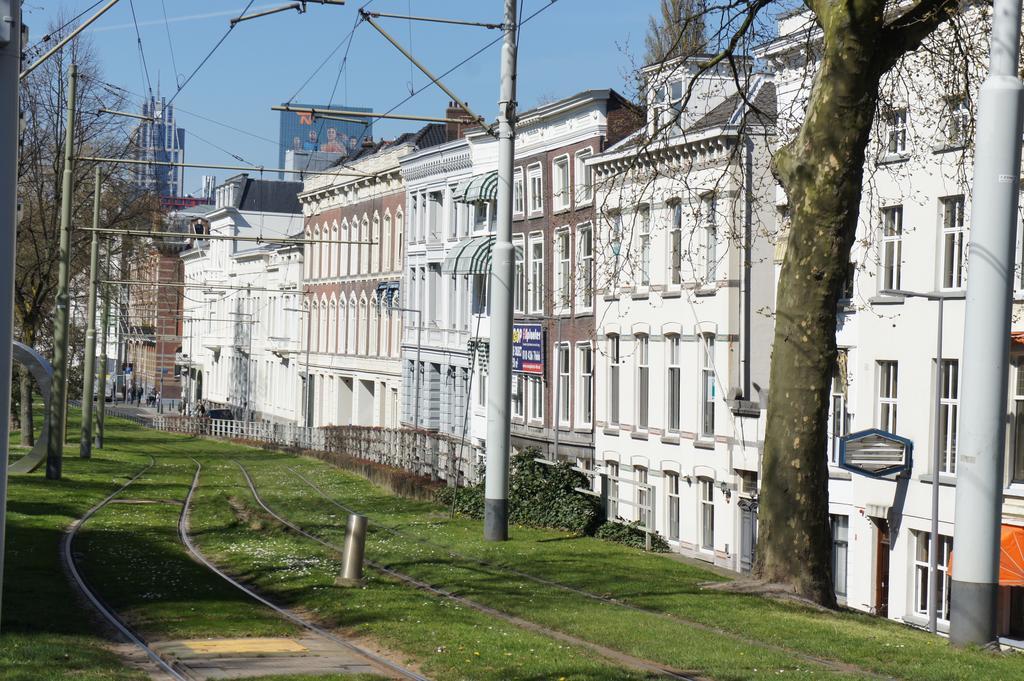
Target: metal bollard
x=355 y=547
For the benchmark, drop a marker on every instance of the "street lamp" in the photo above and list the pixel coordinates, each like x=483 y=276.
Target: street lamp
x=933 y=552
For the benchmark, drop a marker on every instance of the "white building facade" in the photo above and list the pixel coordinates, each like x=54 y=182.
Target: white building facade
x=243 y=322
x=683 y=323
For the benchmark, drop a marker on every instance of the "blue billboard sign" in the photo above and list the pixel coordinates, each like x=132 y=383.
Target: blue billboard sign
x=528 y=349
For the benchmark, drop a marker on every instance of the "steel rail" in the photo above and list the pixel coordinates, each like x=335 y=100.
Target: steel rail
x=183 y=522
x=618 y=657
x=506 y=569
x=108 y=614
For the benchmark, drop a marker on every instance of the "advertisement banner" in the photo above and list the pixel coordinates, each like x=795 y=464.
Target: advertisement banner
x=528 y=349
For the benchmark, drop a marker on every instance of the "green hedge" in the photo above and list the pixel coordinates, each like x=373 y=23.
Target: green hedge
x=543 y=495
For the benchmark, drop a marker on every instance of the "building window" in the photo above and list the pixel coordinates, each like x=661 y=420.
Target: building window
x=584 y=178
x=481 y=216
x=614 y=367
x=644 y=218
x=954 y=255
x=1017 y=473
x=564 y=384
x=585 y=389
x=959 y=121
x=673 y=403
x=644 y=512
x=949 y=408
x=643 y=382
x=676 y=244
x=535 y=183
x=453 y=213
x=707 y=387
x=888 y=383
x=922 y=555
x=896 y=131
x=709 y=210
x=612 y=469
x=518 y=198
x=563 y=249
x=537 y=273
x=839 y=420
x=560 y=183
x=585 y=266
x=892 y=246
x=672 y=490
x=480 y=299
x=518 y=396
x=707 y=514
x=840 y=550
x=481 y=387
x=519 y=290
x=536 y=398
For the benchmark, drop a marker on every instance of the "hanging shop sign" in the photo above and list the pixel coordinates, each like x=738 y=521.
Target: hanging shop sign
x=528 y=349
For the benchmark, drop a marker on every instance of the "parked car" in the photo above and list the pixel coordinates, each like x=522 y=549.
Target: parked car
x=220 y=414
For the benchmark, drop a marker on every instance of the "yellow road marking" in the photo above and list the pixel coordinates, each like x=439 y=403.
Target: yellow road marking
x=246 y=645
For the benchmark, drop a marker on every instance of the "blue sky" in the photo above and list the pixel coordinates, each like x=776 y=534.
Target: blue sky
x=570 y=46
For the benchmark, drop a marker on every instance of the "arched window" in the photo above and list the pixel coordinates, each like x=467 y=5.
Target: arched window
x=307 y=255
x=364 y=326
x=342 y=326
x=345 y=268
x=314 y=266
x=325 y=254
x=364 y=246
x=375 y=249
x=385 y=247
x=374 y=349
x=322 y=345
x=399 y=238
x=314 y=321
x=353 y=320
x=332 y=327
x=335 y=252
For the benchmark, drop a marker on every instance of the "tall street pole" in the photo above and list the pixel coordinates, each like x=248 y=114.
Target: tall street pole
x=59 y=390
x=102 y=406
x=499 y=408
x=979 y=489
x=10 y=65
x=89 y=374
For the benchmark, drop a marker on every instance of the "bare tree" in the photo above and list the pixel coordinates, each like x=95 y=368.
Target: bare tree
x=678 y=32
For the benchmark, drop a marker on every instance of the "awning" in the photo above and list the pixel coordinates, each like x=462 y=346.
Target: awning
x=470 y=256
x=478 y=188
x=1011 y=556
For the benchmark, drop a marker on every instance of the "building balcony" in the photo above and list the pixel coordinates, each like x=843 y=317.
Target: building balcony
x=283 y=347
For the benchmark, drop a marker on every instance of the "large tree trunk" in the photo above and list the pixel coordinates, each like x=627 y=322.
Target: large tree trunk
x=28 y=435
x=822 y=171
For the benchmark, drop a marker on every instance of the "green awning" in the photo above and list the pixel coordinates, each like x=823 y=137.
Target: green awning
x=478 y=188
x=470 y=256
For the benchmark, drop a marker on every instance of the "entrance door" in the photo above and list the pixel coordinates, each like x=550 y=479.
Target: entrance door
x=881 y=567
x=748 y=533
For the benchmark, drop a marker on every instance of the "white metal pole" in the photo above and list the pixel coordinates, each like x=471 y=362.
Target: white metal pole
x=933 y=554
x=979 y=490
x=10 y=64
x=502 y=274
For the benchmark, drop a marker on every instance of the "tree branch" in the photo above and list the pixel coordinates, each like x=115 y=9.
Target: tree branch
x=905 y=33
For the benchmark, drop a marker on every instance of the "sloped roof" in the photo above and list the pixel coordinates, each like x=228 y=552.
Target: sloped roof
x=427 y=136
x=270 y=196
x=734 y=110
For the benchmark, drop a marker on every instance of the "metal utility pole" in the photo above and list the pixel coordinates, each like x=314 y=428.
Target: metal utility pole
x=979 y=489
x=10 y=65
x=499 y=409
x=85 y=443
x=59 y=390
x=102 y=406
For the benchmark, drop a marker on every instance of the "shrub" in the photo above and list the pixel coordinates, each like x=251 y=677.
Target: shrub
x=631 y=534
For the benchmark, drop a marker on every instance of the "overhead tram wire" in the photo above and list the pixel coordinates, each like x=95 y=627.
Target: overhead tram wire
x=46 y=38
x=170 y=43
x=142 y=52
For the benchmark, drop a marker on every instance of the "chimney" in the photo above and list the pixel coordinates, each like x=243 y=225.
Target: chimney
x=457 y=130
x=368 y=142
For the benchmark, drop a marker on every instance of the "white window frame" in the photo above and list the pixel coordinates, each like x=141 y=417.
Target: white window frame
x=584 y=178
x=922 y=553
x=643 y=497
x=708 y=388
x=959 y=121
x=949 y=415
x=643 y=216
x=954 y=243
x=896 y=132
x=709 y=233
x=614 y=378
x=1017 y=461
x=892 y=246
x=584 y=267
x=519 y=290
x=561 y=183
x=612 y=471
x=518 y=192
x=706 y=488
x=840 y=526
x=535 y=385
x=562 y=248
x=564 y=386
x=584 y=401
x=888 y=395
x=536 y=273
x=674 y=385
x=675 y=243
x=643 y=382
x=518 y=397
x=535 y=188
x=672 y=505
x=838 y=419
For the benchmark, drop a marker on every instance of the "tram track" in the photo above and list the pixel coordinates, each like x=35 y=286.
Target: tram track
x=108 y=613
x=183 y=533
x=614 y=656
x=831 y=664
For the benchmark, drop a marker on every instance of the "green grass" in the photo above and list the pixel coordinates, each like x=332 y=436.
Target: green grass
x=132 y=555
